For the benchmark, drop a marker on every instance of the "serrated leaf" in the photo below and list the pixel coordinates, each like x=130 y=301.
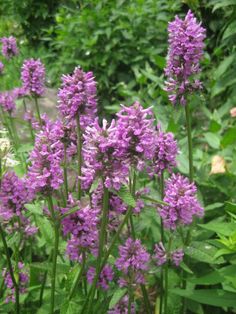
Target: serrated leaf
x=126 y=197
x=218 y=227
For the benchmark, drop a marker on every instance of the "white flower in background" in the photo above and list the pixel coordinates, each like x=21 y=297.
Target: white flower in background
x=6 y=155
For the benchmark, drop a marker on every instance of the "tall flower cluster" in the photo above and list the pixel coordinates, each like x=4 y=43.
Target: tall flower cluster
x=45 y=173
x=132 y=262
x=82 y=227
x=135 y=134
x=106 y=276
x=100 y=156
x=33 y=77
x=7 y=101
x=166 y=150
x=77 y=97
x=9 y=47
x=180 y=195
x=23 y=279
x=13 y=197
x=185 y=51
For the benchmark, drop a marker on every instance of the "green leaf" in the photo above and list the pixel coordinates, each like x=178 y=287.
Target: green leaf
x=125 y=195
x=224 y=65
x=212 y=139
x=25 y=148
x=34 y=208
x=210 y=279
x=230 y=207
x=214 y=297
x=116 y=297
x=203 y=252
x=214 y=206
x=218 y=227
x=230 y=30
x=229 y=137
x=222 y=4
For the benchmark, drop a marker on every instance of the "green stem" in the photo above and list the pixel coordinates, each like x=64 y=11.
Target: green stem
x=38 y=111
x=162 y=240
x=107 y=254
x=43 y=287
x=65 y=172
x=190 y=145
x=130 y=292
x=80 y=274
x=10 y=268
x=102 y=237
x=79 y=147
x=167 y=277
x=55 y=253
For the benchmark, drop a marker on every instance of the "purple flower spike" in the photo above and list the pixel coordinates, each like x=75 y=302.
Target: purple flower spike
x=77 y=97
x=133 y=258
x=180 y=194
x=185 y=51
x=33 y=77
x=23 y=281
x=136 y=135
x=99 y=153
x=166 y=150
x=106 y=276
x=9 y=47
x=7 y=101
x=45 y=173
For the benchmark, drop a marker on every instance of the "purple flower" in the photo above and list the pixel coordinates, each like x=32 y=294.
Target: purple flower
x=77 y=97
x=1 y=67
x=177 y=256
x=160 y=255
x=7 y=101
x=133 y=261
x=22 y=282
x=122 y=307
x=45 y=173
x=19 y=92
x=135 y=134
x=99 y=154
x=82 y=227
x=185 y=51
x=166 y=151
x=106 y=276
x=180 y=194
x=9 y=47
x=13 y=197
x=33 y=77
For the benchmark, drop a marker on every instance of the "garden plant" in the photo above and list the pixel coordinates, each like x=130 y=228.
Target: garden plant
x=111 y=213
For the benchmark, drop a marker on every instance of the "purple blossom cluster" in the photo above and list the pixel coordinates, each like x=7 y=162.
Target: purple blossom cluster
x=100 y=151
x=185 y=51
x=77 y=97
x=166 y=150
x=9 y=47
x=122 y=307
x=45 y=173
x=33 y=77
x=132 y=261
x=13 y=197
x=23 y=279
x=106 y=276
x=180 y=195
x=161 y=256
x=7 y=101
x=82 y=227
x=136 y=135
